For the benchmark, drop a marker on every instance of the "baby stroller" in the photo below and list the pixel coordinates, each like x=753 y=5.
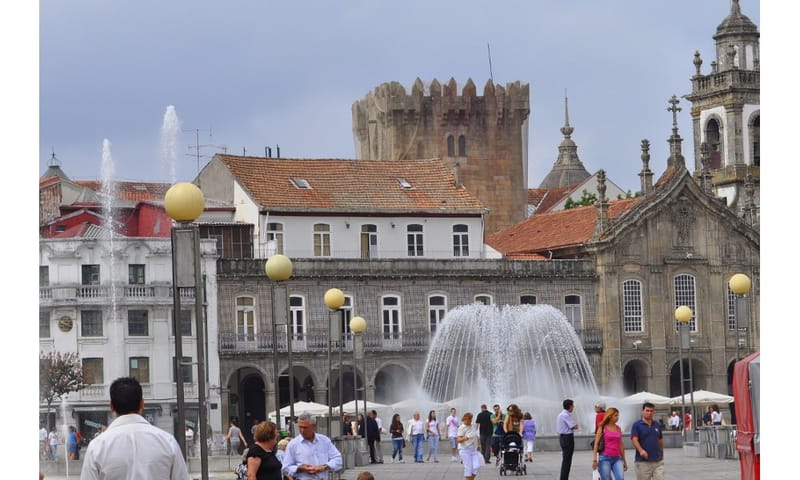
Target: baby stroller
x=511 y=455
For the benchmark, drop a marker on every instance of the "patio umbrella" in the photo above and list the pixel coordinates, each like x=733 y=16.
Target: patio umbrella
x=702 y=398
x=641 y=397
x=300 y=407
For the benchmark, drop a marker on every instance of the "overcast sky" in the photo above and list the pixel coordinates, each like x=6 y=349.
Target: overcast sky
x=264 y=73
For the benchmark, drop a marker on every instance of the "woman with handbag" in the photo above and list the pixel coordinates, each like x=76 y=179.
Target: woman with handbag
x=608 y=448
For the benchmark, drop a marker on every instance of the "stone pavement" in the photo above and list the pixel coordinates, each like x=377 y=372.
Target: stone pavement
x=546 y=466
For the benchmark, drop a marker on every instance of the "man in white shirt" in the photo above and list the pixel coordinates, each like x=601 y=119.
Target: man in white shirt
x=311 y=455
x=452 y=423
x=675 y=421
x=131 y=448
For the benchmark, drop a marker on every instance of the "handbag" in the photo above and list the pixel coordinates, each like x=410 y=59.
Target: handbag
x=601 y=445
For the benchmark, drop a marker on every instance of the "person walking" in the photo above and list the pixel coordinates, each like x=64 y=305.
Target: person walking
x=565 y=428
x=311 y=455
x=378 y=449
x=599 y=414
x=451 y=424
x=52 y=439
x=235 y=439
x=432 y=430
x=262 y=460
x=497 y=418
x=468 y=438
x=398 y=440
x=612 y=458
x=371 y=431
x=72 y=443
x=528 y=435
x=647 y=438
x=416 y=434
x=513 y=421
x=130 y=446
x=189 y=435
x=485 y=427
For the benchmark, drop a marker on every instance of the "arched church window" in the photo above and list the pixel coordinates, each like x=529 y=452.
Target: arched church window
x=714 y=140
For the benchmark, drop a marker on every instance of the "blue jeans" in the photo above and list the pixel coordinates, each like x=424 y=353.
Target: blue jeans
x=397 y=448
x=417 y=441
x=607 y=464
x=433 y=446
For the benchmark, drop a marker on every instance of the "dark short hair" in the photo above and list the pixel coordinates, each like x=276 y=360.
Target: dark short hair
x=648 y=405
x=126 y=395
x=568 y=403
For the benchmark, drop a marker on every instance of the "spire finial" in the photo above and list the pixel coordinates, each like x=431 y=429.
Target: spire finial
x=674 y=108
x=566 y=129
x=735 y=10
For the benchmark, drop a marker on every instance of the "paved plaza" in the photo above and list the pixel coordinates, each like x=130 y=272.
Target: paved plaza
x=546 y=466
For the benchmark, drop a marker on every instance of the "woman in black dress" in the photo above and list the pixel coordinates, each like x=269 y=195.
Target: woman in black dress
x=262 y=464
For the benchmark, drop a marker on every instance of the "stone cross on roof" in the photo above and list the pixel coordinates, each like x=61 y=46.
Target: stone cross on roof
x=674 y=108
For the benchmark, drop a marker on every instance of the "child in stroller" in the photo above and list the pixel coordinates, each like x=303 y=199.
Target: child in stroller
x=511 y=454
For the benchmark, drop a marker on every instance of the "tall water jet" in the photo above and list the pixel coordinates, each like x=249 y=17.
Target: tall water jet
x=65 y=432
x=527 y=354
x=109 y=193
x=170 y=131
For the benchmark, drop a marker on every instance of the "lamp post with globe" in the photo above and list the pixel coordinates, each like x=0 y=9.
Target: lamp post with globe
x=683 y=315
x=334 y=299
x=358 y=325
x=740 y=285
x=184 y=203
x=278 y=268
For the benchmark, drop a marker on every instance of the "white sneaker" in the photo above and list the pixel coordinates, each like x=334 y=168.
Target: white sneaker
x=402 y=461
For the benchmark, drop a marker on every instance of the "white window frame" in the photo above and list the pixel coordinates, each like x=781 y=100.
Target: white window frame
x=524 y=295
x=685 y=293
x=436 y=313
x=415 y=240
x=461 y=240
x=322 y=240
x=574 y=311
x=484 y=299
x=391 y=318
x=246 y=327
x=632 y=306
x=297 y=314
x=347 y=315
x=275 y=237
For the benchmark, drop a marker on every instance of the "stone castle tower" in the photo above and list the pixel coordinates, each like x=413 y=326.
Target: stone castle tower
x=726 y=116
x=484 y=139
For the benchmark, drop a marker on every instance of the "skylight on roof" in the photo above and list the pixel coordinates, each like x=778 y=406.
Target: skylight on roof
x=403 y=183
x=141 y=188
x=301 y=183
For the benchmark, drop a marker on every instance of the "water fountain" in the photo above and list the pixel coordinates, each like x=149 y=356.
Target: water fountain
x=65 y=433
x=170 y=131
x=524 y=354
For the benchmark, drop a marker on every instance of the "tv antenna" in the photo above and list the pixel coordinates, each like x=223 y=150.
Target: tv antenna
x=197 y=146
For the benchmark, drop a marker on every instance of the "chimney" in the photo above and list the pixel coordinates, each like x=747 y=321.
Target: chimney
x=457 y=175
x=278 y=152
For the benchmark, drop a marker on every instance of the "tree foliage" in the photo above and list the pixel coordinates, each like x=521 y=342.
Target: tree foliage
x=587 y=199
x=59 y=374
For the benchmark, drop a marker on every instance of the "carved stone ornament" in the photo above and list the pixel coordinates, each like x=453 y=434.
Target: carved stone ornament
x=65 y=323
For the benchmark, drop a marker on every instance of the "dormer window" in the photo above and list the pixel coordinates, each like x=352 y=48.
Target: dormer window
x=404 y=183
x=301 y=183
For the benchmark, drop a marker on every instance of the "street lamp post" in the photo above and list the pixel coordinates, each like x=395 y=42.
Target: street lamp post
x=334 y=299
x=279 y=268
x=740 y=285
x=184 y=202
x=357 y=326
x=683 y=315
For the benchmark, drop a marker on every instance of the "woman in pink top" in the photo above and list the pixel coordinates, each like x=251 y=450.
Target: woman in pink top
x=612 y=458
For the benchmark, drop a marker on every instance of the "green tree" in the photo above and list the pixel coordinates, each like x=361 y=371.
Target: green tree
x=586 y=200
x=59 y=374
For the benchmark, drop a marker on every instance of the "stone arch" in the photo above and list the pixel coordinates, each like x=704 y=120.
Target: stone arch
x=246 y=400
x=634 y=376
x=393 y=382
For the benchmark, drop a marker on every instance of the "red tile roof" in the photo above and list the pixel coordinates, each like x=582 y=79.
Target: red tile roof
x=352 y=185
x=553 y=230
x=132 y=191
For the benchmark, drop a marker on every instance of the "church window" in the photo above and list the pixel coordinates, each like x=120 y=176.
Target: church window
x=632 y=306
x=714 y=141
x=686 y=294
x=755 y=141
x=462 y=146
x=451 y=146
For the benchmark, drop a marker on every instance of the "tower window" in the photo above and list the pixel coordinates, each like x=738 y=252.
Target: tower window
x=451 y=146
x=462 y=146
x=713 y=138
